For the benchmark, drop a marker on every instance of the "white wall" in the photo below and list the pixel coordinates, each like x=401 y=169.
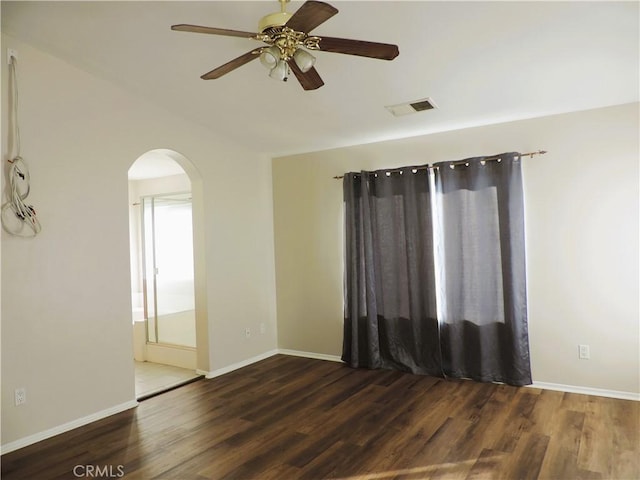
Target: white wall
x=66 y=295
x=582 y=238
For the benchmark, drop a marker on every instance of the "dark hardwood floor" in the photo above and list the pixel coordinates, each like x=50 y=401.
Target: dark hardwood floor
x=291 y=418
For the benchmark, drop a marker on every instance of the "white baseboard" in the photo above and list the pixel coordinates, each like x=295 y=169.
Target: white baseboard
x=236 y=366
x=599 y=392
x=37 y=437
x=317 y=356
x=282 y=351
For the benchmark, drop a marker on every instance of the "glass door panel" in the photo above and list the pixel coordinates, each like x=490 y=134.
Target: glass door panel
x=174 y=270
x=169 y=291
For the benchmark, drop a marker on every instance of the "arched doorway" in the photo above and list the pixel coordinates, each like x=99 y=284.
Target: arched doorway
x=168 y=296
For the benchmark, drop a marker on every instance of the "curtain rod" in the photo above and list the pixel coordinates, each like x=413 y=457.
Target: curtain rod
x=460 y=162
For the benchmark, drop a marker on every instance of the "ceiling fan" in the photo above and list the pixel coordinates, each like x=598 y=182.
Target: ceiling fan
x=288 y=41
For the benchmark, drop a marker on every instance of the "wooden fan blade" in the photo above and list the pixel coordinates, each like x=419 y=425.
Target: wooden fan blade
x=213 y=31
x=232 y=65
x=310 y=15
x=383 y=51
x=309 y=80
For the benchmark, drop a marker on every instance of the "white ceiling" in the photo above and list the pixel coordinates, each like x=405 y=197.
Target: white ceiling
x=481 y=62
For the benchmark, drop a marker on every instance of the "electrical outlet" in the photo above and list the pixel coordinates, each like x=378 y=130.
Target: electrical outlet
x=247 y=332
x=20 y=396
x=583 y=352
x=263 y=328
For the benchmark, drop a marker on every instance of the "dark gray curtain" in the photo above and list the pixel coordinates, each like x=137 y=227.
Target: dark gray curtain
x=476 y=260
x=483 y=303
x=390 y=309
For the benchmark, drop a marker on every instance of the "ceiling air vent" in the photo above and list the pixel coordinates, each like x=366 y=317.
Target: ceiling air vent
x=411 y=107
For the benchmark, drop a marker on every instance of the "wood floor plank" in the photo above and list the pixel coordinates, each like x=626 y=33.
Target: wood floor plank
x=604 y=433
x=291 y=418
x=420 y=417
x=434 y=452
x=337 y=458
x=488 y=463
x=596 y=433
x=543 y=416
x=517 y=422
x=526 y=458
x=564 y=445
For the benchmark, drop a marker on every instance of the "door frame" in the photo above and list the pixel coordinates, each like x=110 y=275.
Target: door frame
x=199 y=260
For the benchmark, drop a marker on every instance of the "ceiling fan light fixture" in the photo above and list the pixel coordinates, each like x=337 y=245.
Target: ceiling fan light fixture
x=270 y=57
x=304 y=60
x=289 y=34
x=280 y=71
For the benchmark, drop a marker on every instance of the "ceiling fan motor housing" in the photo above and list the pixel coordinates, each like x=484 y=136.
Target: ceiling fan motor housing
x=273 y=20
